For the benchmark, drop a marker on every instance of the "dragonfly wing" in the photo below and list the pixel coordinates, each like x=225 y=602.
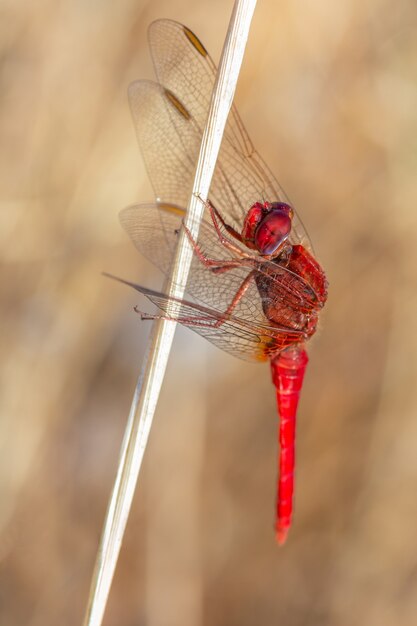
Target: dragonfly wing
x=154 y=228
x=184 y=67
x=168 y=140
x=233 y=335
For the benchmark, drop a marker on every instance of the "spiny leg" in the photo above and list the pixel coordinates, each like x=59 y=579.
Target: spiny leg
x=216 y=218
x=201 y=321
x=237 y=297
x=218 y=266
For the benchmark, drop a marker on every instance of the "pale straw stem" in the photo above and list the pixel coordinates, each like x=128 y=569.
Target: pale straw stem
x=150 y=381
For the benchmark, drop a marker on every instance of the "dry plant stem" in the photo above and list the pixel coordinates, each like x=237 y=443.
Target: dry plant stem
x=150 y=381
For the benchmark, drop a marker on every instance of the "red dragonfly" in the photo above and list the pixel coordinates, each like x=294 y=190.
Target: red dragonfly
x=255 y=288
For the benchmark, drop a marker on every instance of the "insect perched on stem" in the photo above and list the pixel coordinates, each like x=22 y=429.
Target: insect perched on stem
x=254 y=289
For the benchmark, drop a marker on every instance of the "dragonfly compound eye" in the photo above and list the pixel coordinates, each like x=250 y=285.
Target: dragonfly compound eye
x=253 y=218
x=273 y=230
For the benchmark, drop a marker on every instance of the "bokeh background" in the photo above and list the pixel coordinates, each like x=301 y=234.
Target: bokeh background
x=328 y=93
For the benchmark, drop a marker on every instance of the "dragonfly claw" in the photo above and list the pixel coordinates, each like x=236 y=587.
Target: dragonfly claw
x=144 y=316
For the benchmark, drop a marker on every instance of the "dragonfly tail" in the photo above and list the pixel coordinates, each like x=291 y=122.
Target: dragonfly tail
x=288 y=369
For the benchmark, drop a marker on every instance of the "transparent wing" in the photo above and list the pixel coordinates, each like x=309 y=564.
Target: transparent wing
x=185 y=70
x=169 y=118
x=233 y=335
x=168 y=140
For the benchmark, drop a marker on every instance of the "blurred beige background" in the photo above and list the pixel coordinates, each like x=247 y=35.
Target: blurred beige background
x=328 y=93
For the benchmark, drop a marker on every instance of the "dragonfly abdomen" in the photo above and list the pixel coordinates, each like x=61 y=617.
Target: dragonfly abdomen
x=288 y=369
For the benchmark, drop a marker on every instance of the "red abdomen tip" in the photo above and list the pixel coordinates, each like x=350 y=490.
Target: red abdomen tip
x=281 y=535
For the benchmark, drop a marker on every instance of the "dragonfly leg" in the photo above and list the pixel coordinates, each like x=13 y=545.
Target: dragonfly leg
x=216 y=265
x=202 y=322
x=216 y=217
x=205 y=321
x=236 y=299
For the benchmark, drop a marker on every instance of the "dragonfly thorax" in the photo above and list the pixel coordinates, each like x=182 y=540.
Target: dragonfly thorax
x=267 y=226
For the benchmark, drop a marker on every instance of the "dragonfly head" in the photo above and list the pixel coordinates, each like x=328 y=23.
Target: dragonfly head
x=267 y=226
